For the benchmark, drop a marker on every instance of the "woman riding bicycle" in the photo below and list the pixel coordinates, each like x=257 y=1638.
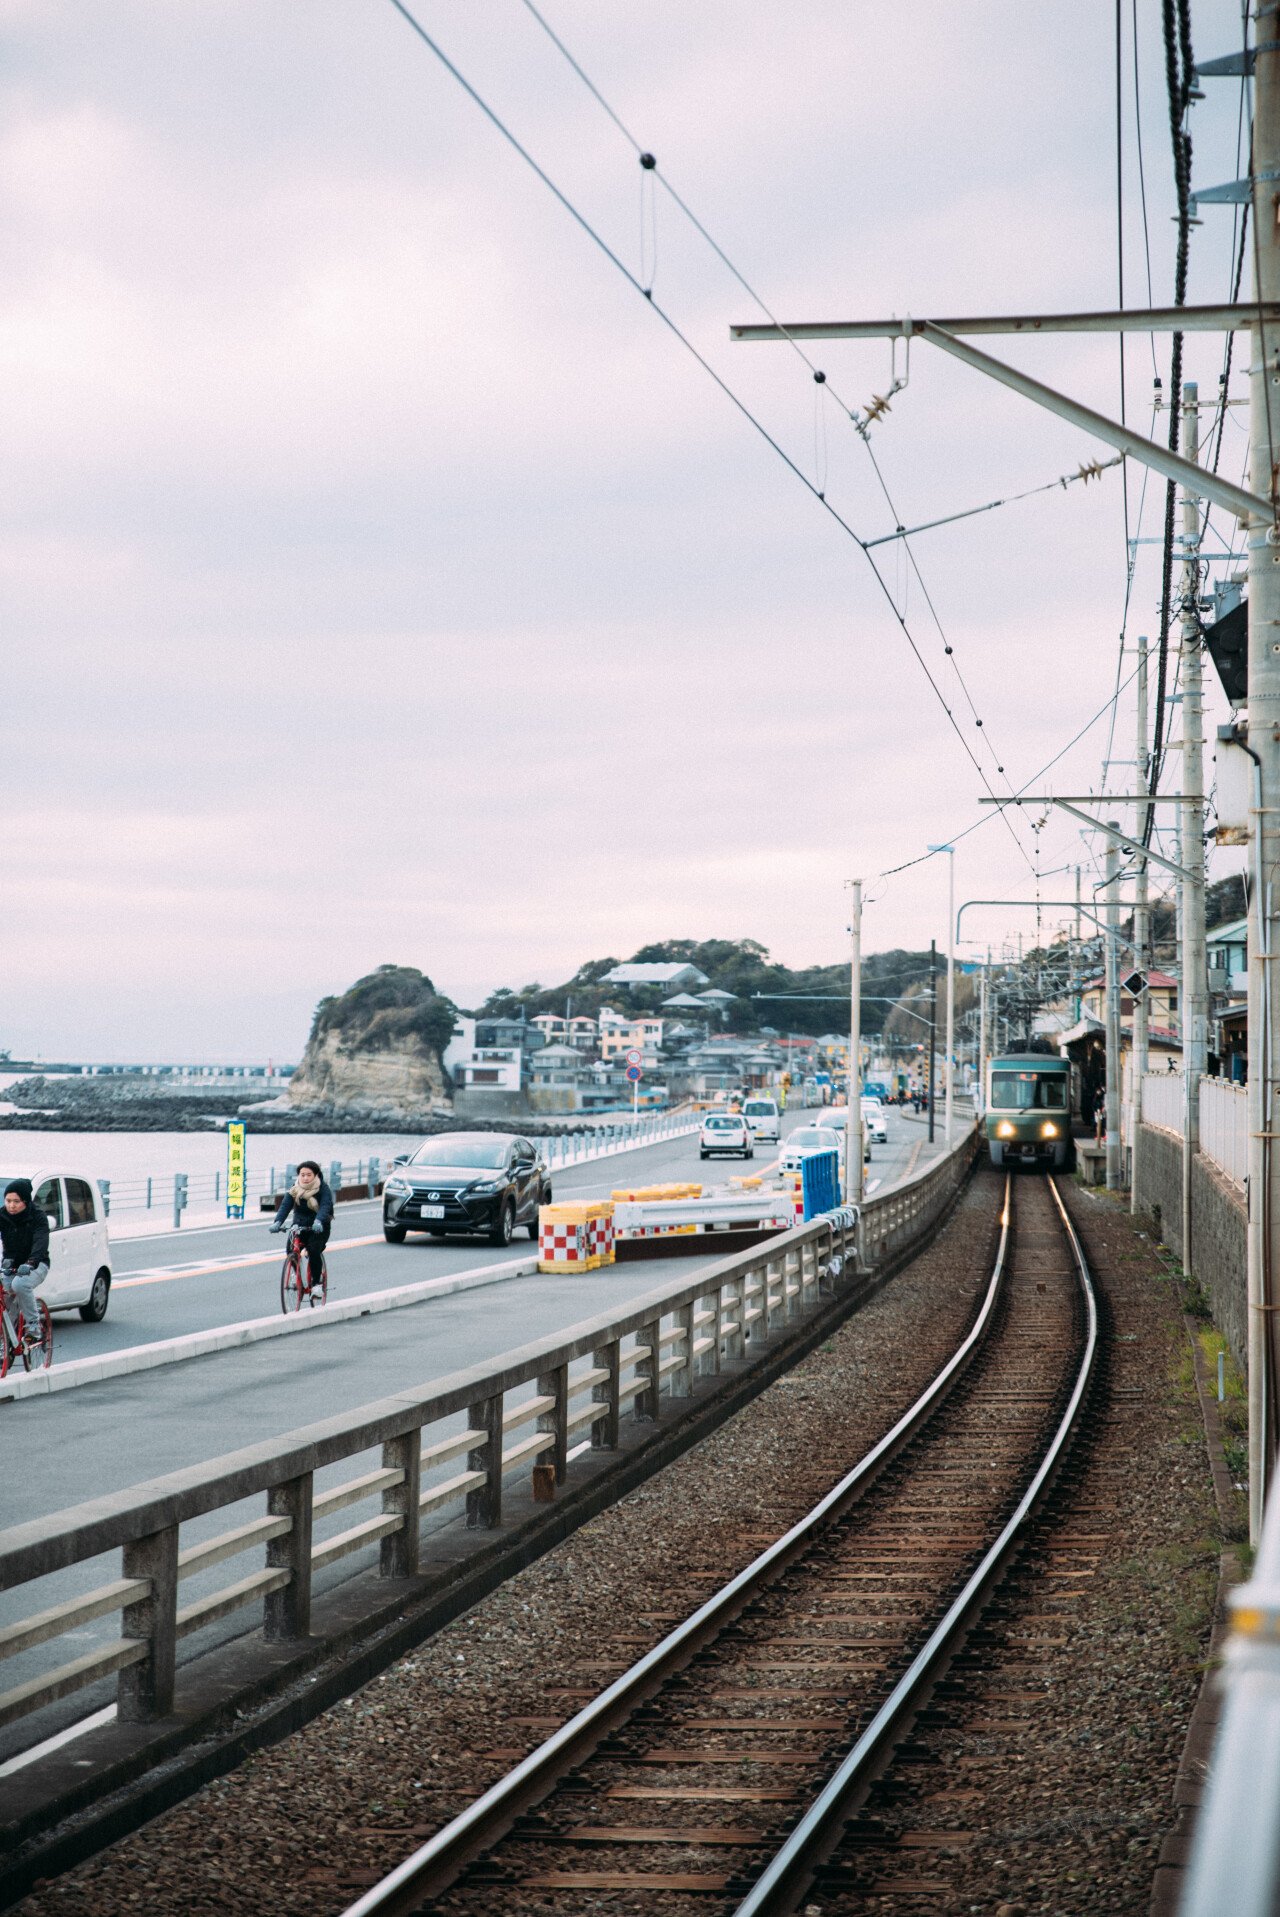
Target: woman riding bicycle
x=24 y=1241
x=311 y=1203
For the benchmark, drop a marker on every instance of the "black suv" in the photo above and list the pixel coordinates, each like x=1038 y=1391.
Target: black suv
x=466 y=1181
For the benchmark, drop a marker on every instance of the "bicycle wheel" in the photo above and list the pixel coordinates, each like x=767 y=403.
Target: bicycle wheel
x=291 y=1286
x=6 y=1344
x=318 y=1293
x=40 y=1356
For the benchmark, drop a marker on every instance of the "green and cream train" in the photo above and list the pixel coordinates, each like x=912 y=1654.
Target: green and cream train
x=1028 y=1110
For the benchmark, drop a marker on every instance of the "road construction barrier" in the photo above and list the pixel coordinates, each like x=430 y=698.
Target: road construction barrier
x=820 y=1183
x=656 y=1194
x=575 y=1237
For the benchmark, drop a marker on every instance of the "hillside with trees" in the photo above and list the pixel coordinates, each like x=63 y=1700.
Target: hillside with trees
x=807 y=1000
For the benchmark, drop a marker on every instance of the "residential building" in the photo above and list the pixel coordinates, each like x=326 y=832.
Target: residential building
x=629 y=1034
x=672 y=977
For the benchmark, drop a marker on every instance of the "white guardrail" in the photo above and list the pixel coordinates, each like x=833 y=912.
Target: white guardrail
x=200 y=1191
x=1224 y=1118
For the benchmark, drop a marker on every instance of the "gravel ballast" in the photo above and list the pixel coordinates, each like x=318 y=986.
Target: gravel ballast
x=301 y=1827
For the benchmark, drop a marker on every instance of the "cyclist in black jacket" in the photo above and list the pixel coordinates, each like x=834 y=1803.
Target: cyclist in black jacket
x=311 y=1202
x=24 y=1240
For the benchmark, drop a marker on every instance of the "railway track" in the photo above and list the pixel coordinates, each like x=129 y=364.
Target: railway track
x=720 y=1771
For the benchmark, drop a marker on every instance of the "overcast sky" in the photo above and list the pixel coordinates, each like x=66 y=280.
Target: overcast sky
x=382 y=581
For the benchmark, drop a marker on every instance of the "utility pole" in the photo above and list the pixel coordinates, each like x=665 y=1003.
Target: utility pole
x=933 y=1022
x=951 y=978
x=1195 y=978
x=1115 y=1170
x=1264 y=743
x=1141 y=925
x=1079 y=1001
x=853 y=1124
x=981 y=1093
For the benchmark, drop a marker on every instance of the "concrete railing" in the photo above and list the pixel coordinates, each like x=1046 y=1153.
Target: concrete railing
x=1163 y=1101
x=450 y=1447
x=1224 y=1127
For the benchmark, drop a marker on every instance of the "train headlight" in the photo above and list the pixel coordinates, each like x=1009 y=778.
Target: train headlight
x=1004 y=1129
x=1049 y=1130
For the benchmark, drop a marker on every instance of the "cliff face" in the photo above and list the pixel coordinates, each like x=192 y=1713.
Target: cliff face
x=378 y=1047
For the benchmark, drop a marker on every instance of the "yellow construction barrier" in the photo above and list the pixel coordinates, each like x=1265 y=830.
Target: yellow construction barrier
x=575 y=1237
x=656 y=1194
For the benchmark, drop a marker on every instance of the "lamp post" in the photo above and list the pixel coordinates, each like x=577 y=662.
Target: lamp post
x=951 y=979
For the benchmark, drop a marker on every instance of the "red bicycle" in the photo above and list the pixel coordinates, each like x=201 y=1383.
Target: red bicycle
x=13 y=1340
x=296 y=1287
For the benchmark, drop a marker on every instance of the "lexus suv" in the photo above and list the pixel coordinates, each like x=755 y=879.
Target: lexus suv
x=466 y=1182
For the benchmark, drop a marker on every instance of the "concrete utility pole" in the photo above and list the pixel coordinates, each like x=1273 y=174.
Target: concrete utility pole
x=1195 y=977
x=951 y=979
x=1264 y=742
x=1115 y=1167
x=981 y=1094
x=1141 y=924
x=853 y=1124
x=933 y=1023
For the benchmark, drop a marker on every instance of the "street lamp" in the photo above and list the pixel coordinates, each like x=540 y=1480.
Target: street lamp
x=951 y=978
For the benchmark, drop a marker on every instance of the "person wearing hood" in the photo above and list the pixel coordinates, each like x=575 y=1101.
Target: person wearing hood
x=24 y=1245
x=311 y=1203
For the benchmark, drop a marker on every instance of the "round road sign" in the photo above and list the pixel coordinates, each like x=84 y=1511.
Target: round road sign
x=633 y=1057
x=634 y=1073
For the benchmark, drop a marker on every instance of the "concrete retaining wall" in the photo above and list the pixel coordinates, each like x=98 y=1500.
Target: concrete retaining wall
x=1219 y=1227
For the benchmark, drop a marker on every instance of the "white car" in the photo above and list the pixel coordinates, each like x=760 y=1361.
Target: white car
x=835 y=1118
x=764 y=1118
x=874 y=1119
x=726 y=1132
x=806 y=1139
x=79 y=1248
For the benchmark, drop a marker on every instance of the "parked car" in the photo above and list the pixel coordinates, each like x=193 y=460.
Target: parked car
x=874 y=1119
x=726 y=1132
x=79 y=1244
x=467 y=1182
x=806 y=1139
x=764 y=1118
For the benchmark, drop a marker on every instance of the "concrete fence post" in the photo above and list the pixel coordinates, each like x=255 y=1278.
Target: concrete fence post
x=375 y=1170
x=144 y=1690
x=649 y=1336
x=287 y=1612
x=179 y=1198
x=484 y=1503
x=604 y=1429
x=555 y=1384
x=682 y=1380
x=399 y=1552
x=335 y=1176
x=104 y=1186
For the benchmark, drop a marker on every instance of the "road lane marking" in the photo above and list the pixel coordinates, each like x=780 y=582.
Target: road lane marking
x=164 y=1274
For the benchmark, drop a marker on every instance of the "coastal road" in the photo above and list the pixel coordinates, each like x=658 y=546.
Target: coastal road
x=172 y=1283
x=67 y=1447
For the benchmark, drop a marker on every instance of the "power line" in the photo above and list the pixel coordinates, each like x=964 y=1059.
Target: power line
x=581 y=221
x=648 y=161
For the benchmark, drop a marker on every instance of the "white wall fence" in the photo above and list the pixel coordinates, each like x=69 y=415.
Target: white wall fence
x=1224 y=1126
x=1224 y=1117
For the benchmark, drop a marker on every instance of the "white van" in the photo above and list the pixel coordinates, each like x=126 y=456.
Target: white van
x=764 y=1118
x=79 y=1248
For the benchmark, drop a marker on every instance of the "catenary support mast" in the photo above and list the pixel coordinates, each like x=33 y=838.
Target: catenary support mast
x=1115 y=1167
x=1141 y=923
x=1194 y=986
x=1264 y=742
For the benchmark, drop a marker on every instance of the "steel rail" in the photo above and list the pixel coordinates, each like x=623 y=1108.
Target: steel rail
x=438 y=1863
x=781 y=1886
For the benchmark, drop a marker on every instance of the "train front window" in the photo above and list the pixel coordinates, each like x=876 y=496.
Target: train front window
x=1028 y=1091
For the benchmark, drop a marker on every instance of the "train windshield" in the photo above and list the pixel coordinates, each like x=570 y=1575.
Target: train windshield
x=1028 y=1091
